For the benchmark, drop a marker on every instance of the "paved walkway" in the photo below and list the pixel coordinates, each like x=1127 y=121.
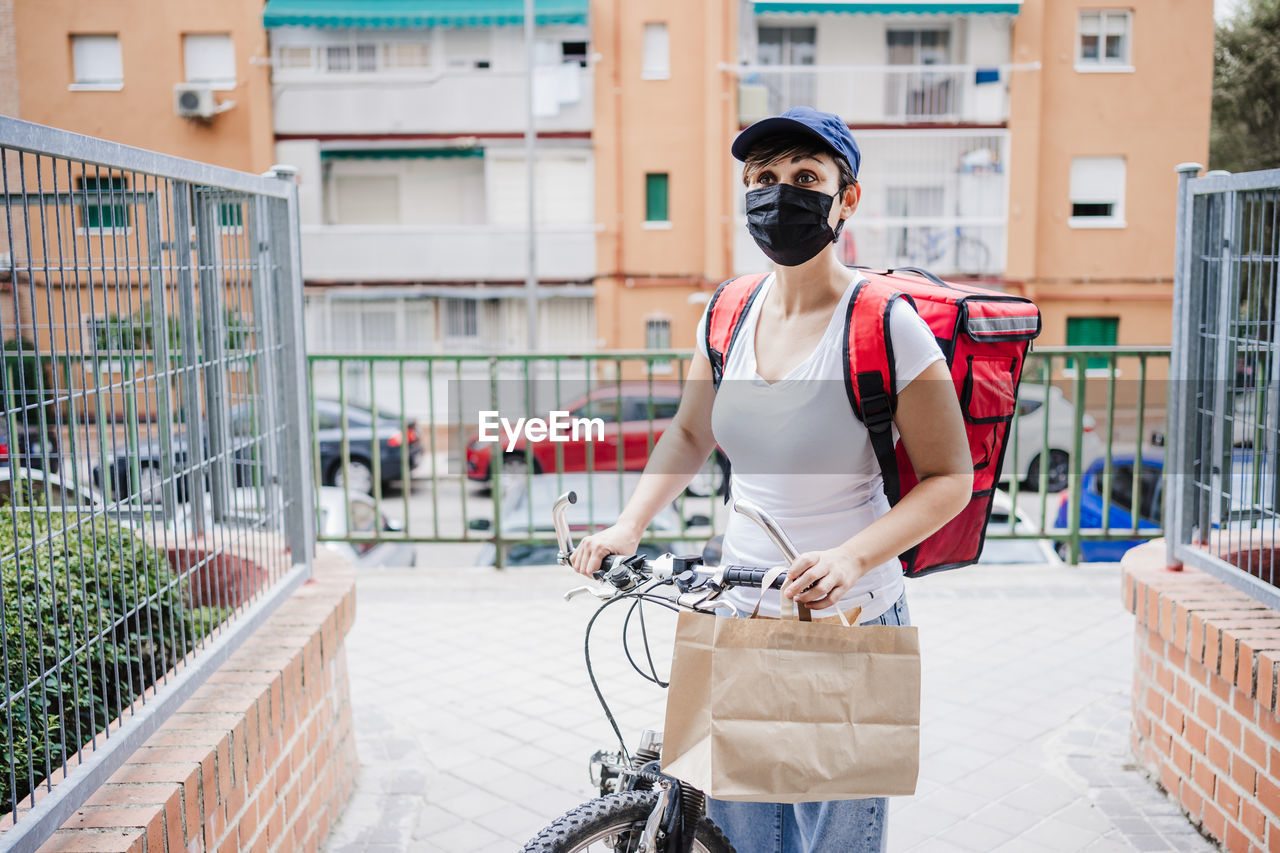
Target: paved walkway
x=474 y=718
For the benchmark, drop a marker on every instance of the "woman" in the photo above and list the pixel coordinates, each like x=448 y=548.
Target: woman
x=783 y=418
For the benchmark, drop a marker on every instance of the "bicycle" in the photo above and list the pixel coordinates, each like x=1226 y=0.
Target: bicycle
x=640 y=809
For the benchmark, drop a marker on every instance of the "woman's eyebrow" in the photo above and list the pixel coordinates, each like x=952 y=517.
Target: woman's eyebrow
x=799 y=157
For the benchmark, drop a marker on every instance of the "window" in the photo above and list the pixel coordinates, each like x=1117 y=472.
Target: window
x=912 y=92
x=1097 y=192
x=101 y=206
x=657 y=52
x=296 y=58
x=96 y=62
x=787 y=46
x=209 y=58
x=460 y=318
x=656 y=191
x=574 y=51
x=231 y=215
x=366 y=57
x=657 y=335
x=1095 y=332
x=410 y=54
x=337 y=58
x=1103 y=41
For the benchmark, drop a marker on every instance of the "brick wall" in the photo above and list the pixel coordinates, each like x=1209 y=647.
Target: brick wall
x=260 y=758
x=1205 y=720
x=8 y=61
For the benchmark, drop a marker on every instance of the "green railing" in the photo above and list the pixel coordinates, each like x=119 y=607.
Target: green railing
x=421 y=492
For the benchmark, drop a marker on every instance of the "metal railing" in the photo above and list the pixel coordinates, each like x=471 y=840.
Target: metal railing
x=153 y=390
x=1080 y=470
x=880 y=94
x=1224 y=510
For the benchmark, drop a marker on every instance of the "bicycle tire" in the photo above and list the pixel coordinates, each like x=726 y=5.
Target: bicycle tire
x=615 y=815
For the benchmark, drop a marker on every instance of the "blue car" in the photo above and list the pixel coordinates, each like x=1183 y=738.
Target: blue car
x=1118 y=504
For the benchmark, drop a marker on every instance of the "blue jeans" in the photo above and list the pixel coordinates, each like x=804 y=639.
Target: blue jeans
x=841 y=826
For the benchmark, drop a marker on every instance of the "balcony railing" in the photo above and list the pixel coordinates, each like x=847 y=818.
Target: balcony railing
x=445 y=252
x=878 y=94
x=444 y=102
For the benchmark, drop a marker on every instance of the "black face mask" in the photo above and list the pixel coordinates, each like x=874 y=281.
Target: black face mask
x=789 y=223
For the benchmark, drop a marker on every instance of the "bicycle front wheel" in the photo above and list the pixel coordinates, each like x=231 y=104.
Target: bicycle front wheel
x=614 y=824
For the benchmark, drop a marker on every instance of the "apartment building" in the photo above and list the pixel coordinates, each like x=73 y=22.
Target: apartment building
x=1029 y=145
x=408 y=132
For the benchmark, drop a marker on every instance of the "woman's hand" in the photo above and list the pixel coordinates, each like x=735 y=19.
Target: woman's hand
x=619 y=539
x=819 y=579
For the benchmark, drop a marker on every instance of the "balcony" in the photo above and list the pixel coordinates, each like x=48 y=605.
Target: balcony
x=444 y=102
x=878 y=95
x=445 y=253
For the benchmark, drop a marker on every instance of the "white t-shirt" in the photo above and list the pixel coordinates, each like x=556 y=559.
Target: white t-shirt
x=798 y=452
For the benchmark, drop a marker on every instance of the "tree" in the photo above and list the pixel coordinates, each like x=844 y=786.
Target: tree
x=1245 y=132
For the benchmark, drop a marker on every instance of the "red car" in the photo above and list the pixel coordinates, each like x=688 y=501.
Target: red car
x=634 y=415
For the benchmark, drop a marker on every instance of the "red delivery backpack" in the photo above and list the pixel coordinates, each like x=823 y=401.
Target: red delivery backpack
x=984 y=335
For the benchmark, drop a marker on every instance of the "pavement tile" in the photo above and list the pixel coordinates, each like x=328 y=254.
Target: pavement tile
x=1025 y=713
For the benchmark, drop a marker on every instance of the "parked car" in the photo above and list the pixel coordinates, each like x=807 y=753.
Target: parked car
x=598 y=504
x=1030 y=426
x=1118 y=505
x=360 y=436
x=632 y=422
x=27 y=447
x=246 y=442
x=360 y=517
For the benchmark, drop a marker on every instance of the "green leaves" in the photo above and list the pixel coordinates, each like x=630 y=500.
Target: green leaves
x=92 y=615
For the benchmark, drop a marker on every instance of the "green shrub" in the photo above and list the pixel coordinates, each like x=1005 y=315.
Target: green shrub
x=92 y=616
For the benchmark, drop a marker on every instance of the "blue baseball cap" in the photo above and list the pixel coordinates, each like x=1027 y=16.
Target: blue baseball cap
x=827 y=128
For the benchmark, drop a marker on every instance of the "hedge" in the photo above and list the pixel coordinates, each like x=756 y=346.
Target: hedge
x=91 y=617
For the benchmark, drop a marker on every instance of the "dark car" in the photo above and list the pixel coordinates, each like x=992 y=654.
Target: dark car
x=392 y=442
x=22 y=443
x=246 y=447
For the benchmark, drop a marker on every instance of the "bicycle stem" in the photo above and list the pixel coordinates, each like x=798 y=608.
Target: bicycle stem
x=770 y=527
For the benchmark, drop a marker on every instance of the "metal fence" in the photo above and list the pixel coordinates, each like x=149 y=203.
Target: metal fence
x=1081 y=473
x=1225 y=389
x=152 y=445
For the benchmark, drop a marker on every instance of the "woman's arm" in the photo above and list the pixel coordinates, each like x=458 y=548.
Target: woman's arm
x=678 y=455
x=933 y=433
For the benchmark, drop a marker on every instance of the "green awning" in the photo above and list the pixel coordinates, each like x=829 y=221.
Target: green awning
x=887 y=7
x=417 y=14
x=398 y=153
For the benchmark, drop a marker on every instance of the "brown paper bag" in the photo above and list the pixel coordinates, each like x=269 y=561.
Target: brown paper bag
x=787 y=711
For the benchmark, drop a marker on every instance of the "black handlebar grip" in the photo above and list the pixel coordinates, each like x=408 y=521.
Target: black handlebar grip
x=605 y=565
x=744 y=576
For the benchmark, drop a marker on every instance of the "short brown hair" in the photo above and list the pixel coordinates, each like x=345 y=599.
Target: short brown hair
x=789 y=145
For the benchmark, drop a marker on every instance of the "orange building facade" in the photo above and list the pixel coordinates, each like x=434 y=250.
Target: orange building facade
x=1028 y=145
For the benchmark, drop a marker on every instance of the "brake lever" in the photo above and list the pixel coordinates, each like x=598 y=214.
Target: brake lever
x=598 y=591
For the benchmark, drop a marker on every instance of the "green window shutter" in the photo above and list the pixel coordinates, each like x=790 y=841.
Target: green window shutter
x=656 y=190
x=1092 y=331
x=230 y=215
x=96 y=197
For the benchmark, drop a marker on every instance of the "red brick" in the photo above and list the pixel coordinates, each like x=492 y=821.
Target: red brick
x=1230 y=728
x=95 y=842
x=1173 y=717
x=1243 y=773
x=1207 y=711
x=1164 y=678
x=1219 y=754
x=1273 y=837
x=1194 y=732
x=1253 y=820
x=1155 y=702
x=1181 y=759
x=1236 y=839
x=1266 y=693
x=1195 y=637
x=1228 y=799
x=1169 y=777
x=1214 y=821
x=1255 y=749
x=1269 y=796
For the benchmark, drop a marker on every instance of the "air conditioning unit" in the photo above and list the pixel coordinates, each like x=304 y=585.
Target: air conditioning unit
x=194 y=100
